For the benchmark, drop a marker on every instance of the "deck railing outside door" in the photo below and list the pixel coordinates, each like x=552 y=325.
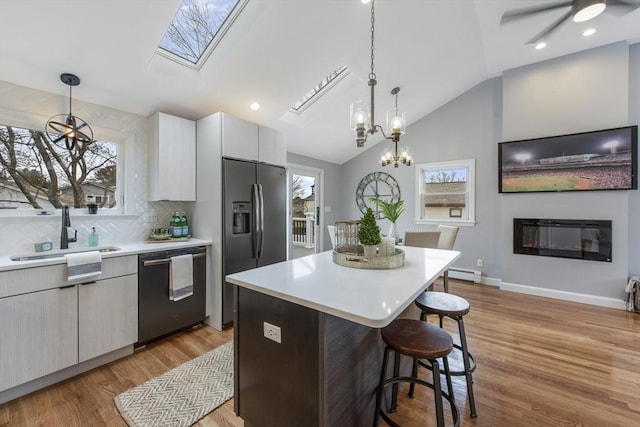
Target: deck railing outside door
x=304 y=230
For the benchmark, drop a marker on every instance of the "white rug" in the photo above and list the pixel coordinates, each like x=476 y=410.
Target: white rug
x=183 y=395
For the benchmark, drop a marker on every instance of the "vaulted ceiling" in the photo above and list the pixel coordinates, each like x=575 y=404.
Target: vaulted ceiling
x=277 y=50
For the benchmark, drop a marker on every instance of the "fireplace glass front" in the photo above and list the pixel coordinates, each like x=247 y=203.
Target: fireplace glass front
x=564 y=238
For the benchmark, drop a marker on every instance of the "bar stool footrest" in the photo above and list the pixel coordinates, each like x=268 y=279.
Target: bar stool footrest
x=455 y=414
x=472 y=363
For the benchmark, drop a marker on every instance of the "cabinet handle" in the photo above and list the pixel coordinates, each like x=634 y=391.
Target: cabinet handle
x=88 y=283
x=167 y=260
x=66 y=286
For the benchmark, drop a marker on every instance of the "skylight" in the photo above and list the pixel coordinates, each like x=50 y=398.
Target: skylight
x=197 y=28
x=313 y=95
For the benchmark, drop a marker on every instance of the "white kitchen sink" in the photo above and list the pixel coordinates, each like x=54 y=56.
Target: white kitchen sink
x=60 y=253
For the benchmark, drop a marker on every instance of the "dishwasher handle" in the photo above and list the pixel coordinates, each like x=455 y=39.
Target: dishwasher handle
x=167 y=260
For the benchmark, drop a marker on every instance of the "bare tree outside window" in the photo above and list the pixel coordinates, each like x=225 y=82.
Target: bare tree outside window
x=194 y=27
x=39 y=173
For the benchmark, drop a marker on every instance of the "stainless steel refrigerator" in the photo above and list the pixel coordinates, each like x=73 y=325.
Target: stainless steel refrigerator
x=254 y=219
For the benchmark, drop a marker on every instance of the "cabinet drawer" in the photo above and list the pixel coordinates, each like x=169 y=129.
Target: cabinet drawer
x=15 y=282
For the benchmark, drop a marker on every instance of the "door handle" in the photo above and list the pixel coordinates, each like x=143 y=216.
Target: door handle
x=255 y=224
x=261 y=221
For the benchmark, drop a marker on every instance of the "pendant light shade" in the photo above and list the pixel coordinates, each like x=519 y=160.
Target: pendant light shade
x=73 y=130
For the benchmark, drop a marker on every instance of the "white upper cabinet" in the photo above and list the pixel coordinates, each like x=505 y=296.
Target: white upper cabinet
x=239 y=138
x=250 y=141
x=172 y=158
x=271 y=147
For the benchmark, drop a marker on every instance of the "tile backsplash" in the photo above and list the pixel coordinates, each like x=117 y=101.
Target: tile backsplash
x=20 y=105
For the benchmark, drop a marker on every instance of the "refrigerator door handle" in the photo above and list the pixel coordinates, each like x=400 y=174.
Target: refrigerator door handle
x=261 y=221
x=255 y=224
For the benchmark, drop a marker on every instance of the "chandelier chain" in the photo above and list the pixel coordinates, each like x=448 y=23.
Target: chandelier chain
x=372 y=75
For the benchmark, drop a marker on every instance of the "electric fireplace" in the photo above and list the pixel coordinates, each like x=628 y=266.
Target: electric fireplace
x=565 y=238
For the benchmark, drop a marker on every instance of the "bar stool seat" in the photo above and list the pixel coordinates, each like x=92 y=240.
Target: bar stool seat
x=418 y=340
x=448 y=305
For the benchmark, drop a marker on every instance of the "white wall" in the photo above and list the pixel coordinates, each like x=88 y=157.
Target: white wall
x=22 y=106
x=575 y=93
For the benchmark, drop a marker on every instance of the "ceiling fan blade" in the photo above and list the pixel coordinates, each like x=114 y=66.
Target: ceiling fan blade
x=621 y=7
x=535 y=39
x=511 y=15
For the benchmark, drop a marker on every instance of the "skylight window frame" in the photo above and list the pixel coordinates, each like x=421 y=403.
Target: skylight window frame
x=217 y=37
x=320 y=92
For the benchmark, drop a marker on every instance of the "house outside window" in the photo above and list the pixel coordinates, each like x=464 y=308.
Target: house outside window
x=36 y=173
x=446 y=192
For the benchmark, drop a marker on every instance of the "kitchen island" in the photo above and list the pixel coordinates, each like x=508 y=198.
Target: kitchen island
x=307 y=345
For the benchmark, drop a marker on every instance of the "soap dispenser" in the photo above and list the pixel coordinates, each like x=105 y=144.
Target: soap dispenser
x=93 y=237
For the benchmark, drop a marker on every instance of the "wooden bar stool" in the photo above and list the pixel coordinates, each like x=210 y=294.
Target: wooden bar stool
x=452 y=306
x=418 y=340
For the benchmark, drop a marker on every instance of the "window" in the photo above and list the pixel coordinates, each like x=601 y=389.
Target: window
x=197 y=28
x=446 y=192
x=37 y=173
x=313 y=95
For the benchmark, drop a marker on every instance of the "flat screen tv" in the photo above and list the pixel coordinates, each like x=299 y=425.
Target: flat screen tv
x=598 y=160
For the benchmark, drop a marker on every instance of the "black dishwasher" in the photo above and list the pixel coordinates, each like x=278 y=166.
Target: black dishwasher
x=159 y=316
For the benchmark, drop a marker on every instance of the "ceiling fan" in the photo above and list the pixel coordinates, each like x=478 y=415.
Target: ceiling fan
x=579 y=11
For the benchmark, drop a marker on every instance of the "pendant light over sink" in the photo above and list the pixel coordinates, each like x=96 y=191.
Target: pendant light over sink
x=72 y=129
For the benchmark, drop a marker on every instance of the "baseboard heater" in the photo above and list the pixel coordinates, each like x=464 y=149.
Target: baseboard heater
x=474 y=276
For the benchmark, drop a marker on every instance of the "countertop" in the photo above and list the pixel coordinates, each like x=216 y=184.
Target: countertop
x=129 y=248
x=369 y=297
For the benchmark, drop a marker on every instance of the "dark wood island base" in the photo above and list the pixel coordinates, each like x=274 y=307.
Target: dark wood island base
x=323 y=373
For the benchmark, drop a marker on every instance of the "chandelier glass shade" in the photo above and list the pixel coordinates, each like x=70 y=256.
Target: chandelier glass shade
x=362 y=117
x=73 y=130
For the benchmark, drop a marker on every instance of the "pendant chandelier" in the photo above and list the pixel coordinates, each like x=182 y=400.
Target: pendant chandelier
x=73 y=130
x=362 y=115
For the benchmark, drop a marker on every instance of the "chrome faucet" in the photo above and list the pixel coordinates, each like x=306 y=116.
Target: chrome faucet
x=66 y=229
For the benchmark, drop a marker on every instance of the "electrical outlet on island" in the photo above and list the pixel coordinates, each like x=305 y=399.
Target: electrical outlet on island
x=272 y=332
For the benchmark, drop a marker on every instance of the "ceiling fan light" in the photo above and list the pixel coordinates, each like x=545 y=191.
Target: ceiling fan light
x=589 y=11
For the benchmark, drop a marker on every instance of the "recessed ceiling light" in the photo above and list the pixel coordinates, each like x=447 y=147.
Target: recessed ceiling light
x=589 y=32
x=255 y=106
x=541 y=45
x=365 y=1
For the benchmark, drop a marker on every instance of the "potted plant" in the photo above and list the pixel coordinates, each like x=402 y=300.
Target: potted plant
x=369 y=234
x=391 y=211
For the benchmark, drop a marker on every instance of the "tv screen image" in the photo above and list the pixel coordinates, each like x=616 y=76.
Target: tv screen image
x=599 y=160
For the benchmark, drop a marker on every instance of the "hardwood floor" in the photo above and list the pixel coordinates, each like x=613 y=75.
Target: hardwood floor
x=541 y=362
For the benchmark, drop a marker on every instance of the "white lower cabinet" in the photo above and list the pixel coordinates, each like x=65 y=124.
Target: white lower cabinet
x=38 y=335
x=47 y=325
x=107 y=315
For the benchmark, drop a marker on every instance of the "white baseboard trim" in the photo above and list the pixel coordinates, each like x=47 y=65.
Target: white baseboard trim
x=474 y=276
x=563 y=295
x=491 y=281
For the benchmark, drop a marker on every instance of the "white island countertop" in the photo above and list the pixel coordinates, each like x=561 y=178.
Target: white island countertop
x=369 y=297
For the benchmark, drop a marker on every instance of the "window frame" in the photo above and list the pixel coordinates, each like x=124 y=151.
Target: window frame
x=35 y=122
x=470 y=165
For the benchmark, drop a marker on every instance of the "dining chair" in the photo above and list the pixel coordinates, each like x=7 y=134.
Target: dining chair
x=332 y=235
x=448 y=234
x=422 y=239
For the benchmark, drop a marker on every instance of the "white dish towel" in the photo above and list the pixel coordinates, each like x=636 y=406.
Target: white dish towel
x=181 y=277
x=83 y=266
